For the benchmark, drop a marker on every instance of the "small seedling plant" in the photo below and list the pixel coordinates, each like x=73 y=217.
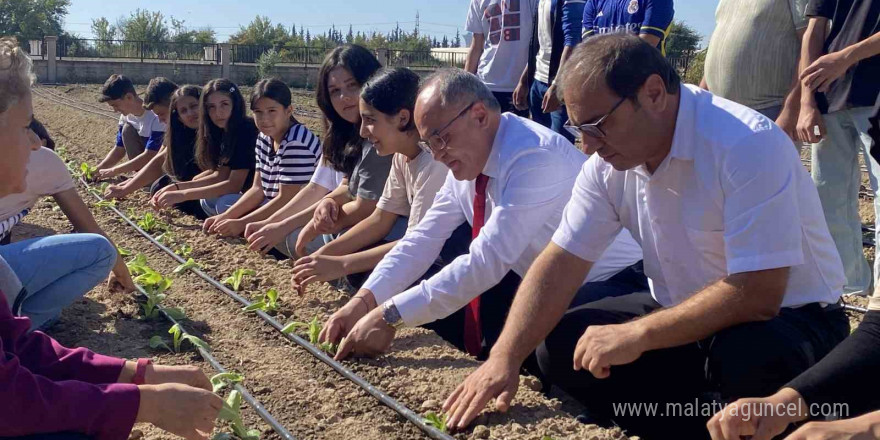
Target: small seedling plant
x=184 y=250
x=100 y=190
x=231 y=412
x=237 y=277
x=178 y=337
x=154 y=285
x=268 y=304
x=150 y=223
x=166 y=238
x=106 y=204
x=222 y=380
x=123 y=251
x=87 y=171
x=190 y=264
x=314 y=331
x=438 y=421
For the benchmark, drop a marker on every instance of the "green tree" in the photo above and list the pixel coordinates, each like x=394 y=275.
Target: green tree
x=143 y=25
x=103 y=30
x=32 y=19
x=682 y=39
x=261 y=31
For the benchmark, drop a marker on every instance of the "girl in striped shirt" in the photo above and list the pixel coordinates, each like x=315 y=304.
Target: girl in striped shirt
x=287 y=154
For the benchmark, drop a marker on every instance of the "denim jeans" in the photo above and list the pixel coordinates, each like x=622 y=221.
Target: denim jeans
x=58 y=269
x=836 y=171
x=554 y=120
x=219 y=205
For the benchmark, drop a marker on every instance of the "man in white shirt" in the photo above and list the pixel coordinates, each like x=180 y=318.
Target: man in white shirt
x=745 y=277
x=510 y=179
x=500 y=45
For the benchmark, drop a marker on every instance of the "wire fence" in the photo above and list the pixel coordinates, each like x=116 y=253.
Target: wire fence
x=142 y=50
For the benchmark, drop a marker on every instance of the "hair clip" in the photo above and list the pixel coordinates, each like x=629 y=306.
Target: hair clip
x=232 y=89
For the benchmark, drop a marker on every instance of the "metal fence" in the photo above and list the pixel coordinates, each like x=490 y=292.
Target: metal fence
x=142 y=50
x=425 y=58
x=250 y=54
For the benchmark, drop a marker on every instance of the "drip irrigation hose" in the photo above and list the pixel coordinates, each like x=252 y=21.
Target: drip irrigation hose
x=387 y=400
x=245 y=395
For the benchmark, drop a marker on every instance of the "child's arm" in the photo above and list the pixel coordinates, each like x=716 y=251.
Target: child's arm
x=146 y=176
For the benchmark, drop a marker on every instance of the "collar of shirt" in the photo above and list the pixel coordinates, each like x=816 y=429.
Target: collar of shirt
x=683 y=138
x=493 y=163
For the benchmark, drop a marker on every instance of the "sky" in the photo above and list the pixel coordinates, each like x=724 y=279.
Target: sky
x=225 y=16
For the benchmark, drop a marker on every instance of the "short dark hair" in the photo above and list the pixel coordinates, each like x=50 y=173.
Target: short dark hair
x=391 y=90
x=159 y=92
x=623 y=62
x=116 y=87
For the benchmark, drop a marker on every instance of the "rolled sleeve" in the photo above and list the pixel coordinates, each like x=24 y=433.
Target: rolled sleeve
x=414 y=254
x=119 y=142
x=658 y=17
x=154 y=142
x=531 y=196
x=474 y=23
x=759 y=195
x=798 y=13
x=590 y=222
x=821 y=8
x=572 y=21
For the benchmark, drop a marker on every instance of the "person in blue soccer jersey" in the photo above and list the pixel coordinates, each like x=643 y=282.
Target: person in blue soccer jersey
x=649 y=19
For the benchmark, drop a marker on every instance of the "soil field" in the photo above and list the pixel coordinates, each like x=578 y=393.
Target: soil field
x=310 y=399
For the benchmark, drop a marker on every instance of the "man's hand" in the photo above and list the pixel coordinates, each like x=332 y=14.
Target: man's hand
x=121 y=282
x=551 y=100
x=314 y=268
x=811 y=124
x=326 y=215
x=521 y=97
x=760 y=418
x=341 y=322
x=167 y=199
x=787 y=121
x=308 y=233
x=116 y=191
x=163 y=405
x=496 y=379
x=184 y=374
x=603 y=346
x=229 y=227
x=370 y=337
x=825 y=70
x=859 y=428
x=263 y=238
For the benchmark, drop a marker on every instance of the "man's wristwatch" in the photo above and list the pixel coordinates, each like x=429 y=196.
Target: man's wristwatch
x=391 y=316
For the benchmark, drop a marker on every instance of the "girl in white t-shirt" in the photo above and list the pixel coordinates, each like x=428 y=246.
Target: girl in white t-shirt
x=386 y=104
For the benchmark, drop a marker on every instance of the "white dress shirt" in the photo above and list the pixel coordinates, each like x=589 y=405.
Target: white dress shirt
x=531 y=171
x=732 y=196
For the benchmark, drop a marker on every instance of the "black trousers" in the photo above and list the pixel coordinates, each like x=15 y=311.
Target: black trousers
x=505 y=99
x=748 y=360
x=191 y=207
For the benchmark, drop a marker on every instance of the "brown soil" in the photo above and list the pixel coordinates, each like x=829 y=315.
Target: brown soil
x=309 y=398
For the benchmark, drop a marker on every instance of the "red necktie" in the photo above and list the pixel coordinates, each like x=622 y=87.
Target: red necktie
x=473 y=334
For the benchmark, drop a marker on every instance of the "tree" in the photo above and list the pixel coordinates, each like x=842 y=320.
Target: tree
x=143 y=25
x=260 y=31
x=32 y=19
x=103 y=30
x=350 y=37
x=682 y=40
x=457 y=38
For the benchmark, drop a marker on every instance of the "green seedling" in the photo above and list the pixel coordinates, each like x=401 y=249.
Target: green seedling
x=87 y=171
x=231 y=412
x=237 y=277
x=166 y=238
x=106 y=204
x=268 y=304
x=178 y=337
x=123 y=251
x=190 y=264
x=150 y=223
x=438 y=421
x=220 y=381
x=184 y=251
x=100 y=190
x=132 y=214
x=314 y=332
x=138 y=265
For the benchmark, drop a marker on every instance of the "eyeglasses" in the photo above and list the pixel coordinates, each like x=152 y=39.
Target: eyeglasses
x=593 y=129
x=435 y=143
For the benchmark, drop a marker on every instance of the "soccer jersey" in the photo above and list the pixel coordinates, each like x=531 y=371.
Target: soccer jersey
x=652 y=17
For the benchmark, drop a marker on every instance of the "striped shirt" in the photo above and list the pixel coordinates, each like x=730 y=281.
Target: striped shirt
x=293 y=163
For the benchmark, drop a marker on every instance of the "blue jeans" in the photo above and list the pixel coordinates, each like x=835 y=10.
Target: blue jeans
x=555 y=120
x=219 y=205
x=58 y=269
x=836 y=171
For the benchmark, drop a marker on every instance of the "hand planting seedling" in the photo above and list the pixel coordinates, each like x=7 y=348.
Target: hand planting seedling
x=231 y=412
x=184 y=251
x=220 y=381
x=268 y=304
x=314 y=328
x=190 y=264
x=87 y=171
x=438 y=421
x=237 y=277
x=178 y=336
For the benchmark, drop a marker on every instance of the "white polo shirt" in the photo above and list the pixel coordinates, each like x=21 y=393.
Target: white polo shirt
x=531 y=172
x=732 y=196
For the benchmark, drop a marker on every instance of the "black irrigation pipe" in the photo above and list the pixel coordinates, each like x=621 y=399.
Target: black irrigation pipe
x=98 y=108
x=387 y=400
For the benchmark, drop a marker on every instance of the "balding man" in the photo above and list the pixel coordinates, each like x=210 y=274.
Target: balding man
x=510 y=179
x=745 y=277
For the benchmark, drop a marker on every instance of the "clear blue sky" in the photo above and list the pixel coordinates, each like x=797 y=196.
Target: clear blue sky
x=438 y=17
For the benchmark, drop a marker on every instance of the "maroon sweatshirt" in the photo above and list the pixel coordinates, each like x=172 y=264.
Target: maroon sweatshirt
x=46 y=388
